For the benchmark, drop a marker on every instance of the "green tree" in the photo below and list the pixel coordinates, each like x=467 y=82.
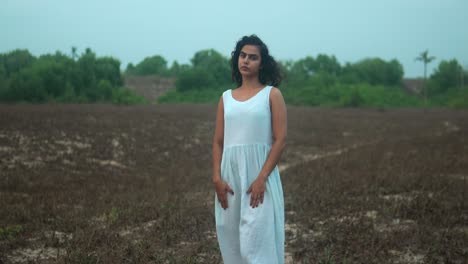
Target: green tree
x=327 y=64
x=26 y=85
x=16 y=60
x=3 y=80
x=302 y=69
x=58 y=77
x=2 y=70
x=177 y=69
x=394 y=72
x=130 y=70
x=214 y=64
x=446 y=76
x=195 y=79
x=310 y=67
x=50 y=73
x=285 y=68
x=57 y=71
x=104 y=90
x=349 y=74
x=464 y=77
x=108 y=68
x=425 y=59
x=151 y=65
x=87 y=73
x=376 y=71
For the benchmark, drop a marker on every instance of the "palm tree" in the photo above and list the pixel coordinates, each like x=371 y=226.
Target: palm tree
x=463 y=76
x=74 y=55
x=426 y=59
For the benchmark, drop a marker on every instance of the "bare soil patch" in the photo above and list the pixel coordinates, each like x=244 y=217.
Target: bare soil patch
x=131 y=184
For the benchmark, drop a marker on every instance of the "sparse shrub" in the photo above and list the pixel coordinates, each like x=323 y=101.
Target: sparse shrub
x=126 y=96
x=459 y=102
x=113 y=215
x=352 y=99
x=104 y=89
x=10 y=232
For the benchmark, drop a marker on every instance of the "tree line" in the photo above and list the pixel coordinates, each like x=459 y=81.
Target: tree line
x=58 y=77
x=319 y=80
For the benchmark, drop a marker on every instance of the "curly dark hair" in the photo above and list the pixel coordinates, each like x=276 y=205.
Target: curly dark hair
x=269 y=74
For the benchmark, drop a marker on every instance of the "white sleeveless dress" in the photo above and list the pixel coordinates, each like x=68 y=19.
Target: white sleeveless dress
x=249 y=235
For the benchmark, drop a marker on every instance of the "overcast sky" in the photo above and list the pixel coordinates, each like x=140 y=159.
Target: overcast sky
x=133 y=29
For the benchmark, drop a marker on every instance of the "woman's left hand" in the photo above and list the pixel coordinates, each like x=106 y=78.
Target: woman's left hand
x=256 y=191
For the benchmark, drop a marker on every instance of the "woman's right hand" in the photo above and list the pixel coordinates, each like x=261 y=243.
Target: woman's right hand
x=222 y=189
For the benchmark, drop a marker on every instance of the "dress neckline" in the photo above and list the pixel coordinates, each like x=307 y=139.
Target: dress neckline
x=250 y=98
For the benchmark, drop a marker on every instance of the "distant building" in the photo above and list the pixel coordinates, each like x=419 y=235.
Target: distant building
x=150 y=86
x=413 y=86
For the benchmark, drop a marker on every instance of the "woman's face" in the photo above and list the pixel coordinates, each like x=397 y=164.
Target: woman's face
x=249 y=60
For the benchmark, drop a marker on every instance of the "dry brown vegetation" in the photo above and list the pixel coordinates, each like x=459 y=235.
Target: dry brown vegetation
x=116 y=184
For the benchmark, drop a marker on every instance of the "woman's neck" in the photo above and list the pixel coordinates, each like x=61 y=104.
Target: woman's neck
x=251 y=83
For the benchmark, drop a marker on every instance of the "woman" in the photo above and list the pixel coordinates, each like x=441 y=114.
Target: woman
x=249 y=138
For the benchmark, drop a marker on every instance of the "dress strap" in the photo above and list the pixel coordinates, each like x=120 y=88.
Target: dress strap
x=267 y=94
x=225 y=97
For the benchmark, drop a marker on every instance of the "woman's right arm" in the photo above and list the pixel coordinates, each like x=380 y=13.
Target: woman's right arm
x=222 y=188
x=218 y=142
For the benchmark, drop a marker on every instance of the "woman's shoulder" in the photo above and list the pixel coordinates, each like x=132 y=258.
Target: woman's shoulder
x=275 y=92
x=226 y=92
x=275 y=96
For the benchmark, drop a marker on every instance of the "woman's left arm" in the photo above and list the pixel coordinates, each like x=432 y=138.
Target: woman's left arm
x=279 y=128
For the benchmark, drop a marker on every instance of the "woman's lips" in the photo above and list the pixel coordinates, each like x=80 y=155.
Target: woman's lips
x=245 y=68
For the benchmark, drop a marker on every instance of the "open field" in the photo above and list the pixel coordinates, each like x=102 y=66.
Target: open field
x=132 y=184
